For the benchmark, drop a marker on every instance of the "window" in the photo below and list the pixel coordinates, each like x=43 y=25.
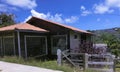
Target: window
x=36 y=45
x=58 y=42
x=75 y=37
x=9 y=48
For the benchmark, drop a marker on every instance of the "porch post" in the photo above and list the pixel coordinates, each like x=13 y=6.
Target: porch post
x=19 y=49
x=59 y=57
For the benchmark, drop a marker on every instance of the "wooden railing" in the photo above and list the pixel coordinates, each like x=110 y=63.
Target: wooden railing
x=75 y=59
x=102 y=62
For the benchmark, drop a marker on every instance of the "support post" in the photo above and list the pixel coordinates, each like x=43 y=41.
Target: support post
x=59 y=57
x=19 y=49
x=114 y=64
x=86 y=61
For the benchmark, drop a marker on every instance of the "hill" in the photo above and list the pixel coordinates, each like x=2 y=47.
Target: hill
x=106 y=32
x=111 y=37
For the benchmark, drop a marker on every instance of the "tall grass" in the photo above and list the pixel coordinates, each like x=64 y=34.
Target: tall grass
x=45 y=64
x=39 y=63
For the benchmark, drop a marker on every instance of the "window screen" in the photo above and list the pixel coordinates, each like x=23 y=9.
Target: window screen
x=9 y=46
x=58 y=42
x=35 y=46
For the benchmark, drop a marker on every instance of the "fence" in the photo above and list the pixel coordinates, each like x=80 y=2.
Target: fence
x=116 y=64
x=100 y=62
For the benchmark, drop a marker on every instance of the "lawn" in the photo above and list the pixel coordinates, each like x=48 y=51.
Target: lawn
x=45 y=64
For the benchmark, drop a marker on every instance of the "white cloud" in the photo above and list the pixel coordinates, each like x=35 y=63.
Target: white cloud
x=85 y=13
x=29 y=17
x=29 y=4
x=113 y=3
x=107 y=6
x=40 y=15
x=101 y=9
x=72 y=19
x=57 y=17
x=5 y=8
x=82 y=8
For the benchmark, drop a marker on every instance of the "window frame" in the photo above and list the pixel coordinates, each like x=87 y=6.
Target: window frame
x=52 y=41
x=25 y=37
x=13 y=44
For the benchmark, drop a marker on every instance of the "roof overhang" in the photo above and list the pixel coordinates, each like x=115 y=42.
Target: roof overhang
x=62 y=25
x=25 y=27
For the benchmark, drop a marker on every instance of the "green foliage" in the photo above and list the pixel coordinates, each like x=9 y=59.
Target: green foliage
x=112 y=41
x=6 y=19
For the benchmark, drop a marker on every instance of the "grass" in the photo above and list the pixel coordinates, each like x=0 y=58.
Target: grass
x=45 y=64
x=117 y=69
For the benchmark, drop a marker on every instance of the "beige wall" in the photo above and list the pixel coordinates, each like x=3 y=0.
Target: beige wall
x=74 y=43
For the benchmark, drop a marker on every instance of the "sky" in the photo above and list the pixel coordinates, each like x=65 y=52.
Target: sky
x=82 y=14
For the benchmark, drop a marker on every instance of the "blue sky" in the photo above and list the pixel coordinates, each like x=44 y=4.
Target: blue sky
x=82 y=14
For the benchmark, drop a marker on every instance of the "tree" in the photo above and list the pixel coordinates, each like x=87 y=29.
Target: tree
x=6 y=19
x=113 y=43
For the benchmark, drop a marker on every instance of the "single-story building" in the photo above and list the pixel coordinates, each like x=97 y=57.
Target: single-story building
x=39 y=37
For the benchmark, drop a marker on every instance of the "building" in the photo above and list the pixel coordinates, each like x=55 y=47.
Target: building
x=39 y=37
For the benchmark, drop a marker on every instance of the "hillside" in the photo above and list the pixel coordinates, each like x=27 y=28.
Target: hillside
x=113 y=32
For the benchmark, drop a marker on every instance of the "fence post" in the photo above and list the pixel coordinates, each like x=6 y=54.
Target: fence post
x=114 y=63
x=86 y=61
x=114 y=66
x=59 y=57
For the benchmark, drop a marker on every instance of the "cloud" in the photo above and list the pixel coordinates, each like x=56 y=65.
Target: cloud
x=101 y=9
x=5 y=8
x=106 y=7
x=29 y=17
x=28 y=4
x=82 y=8
x=113 y=3
x=57 y=17
x=40 y=15
x=72 y=19
x=84 y=12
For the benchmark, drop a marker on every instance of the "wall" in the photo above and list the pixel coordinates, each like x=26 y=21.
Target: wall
x=22 y=40
x=74 y=42
x=6 y=38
